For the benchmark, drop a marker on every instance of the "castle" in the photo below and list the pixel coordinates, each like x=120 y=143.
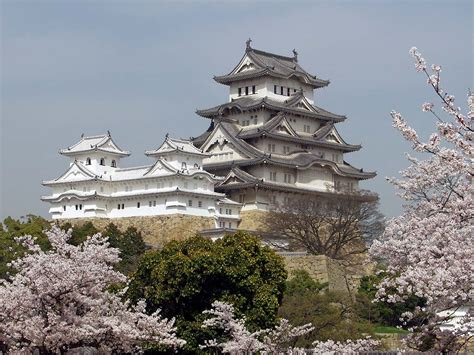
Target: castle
x=268 y=144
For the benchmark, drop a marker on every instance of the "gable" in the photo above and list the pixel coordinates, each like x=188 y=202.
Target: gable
x=75 y=173
x=160 y=168
x=245 y=64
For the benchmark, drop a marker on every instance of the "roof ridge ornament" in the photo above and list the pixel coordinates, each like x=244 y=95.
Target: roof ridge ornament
x=247 y=43
x=295 y=55
x=108 y=133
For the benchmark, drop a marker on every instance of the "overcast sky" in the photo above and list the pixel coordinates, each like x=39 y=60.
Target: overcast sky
x=140 y=70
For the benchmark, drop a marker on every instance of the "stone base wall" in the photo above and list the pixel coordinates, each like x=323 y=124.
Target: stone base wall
x=252 y=220
x=156 y=230
x=324 y=269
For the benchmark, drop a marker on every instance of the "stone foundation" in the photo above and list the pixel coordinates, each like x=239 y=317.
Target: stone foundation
x=252 y=220
x=324 y=269
x=156 y=230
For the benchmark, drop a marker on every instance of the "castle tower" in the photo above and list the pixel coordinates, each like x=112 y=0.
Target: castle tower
x=270 y=140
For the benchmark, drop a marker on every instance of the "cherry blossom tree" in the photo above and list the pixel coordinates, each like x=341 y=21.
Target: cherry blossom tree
x=429 y=249
x=238 y=339
x=59 y=300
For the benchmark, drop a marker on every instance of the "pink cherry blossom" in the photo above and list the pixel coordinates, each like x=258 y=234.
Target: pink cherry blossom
x=429 y=249
x=59 y=300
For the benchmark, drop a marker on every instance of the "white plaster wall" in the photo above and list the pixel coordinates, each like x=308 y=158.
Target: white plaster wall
x=316 y=179
x=260 y=88
x=95 y=166
x=308 y=91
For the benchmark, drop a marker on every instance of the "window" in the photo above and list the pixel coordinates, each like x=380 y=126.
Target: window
x=307 y=128
x=113 y=164
x=138 y=204
x=80 y=207
x=102 y=161
x=220 y=210
x=240 y=91
x=287 y=91
x=287 y=178
x=253 y=89
x=281 y=90
x=286 y=149
x=154 y=203
x=199 y=204
x=273 y=176
x=241 y=198
x=88 y=161
x=183 y=166
x=274 y=89
x=64 y=208
x=149 y=203
x=123 y=206
x=77 y=207
x=230 y=224
x=271 y=147
x=246 y=90
x=190 y=203
x=118 y=206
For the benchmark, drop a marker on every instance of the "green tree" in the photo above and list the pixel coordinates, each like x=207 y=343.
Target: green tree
x=331 y=313
x=186 y=276
x=80 y=232
x=384 y=313
x=13 y=228
x=131 y=246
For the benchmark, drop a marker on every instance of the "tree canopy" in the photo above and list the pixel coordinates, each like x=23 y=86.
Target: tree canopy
x=186 y=277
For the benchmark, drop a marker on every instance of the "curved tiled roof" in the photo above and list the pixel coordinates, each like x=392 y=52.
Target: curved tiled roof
x=298 y=160
x=95 y=143
x=172 y=145
x=248 y=180
x=274 y=65
x=268 y=129
x=248 y=103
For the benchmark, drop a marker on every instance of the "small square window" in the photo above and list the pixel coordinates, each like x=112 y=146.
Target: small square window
x=199 y=203
x=240 y=91
x=138 y=204
x=190 y=203
x=253 y=89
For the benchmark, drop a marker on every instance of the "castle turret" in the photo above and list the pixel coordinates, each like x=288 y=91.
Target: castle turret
x=270 y=140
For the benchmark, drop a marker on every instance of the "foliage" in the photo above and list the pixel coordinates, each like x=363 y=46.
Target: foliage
x=11 y=229
x=429 y=249
x=185 y=277
x=237 y=339
x=331 y=313
x=58 y=300
x=337 y=226
x=301 y=282
x=131 y=246
x=80 y=232
x=384 y=313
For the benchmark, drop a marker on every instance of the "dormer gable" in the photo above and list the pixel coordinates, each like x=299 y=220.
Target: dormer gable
x=161 y=167
x=75 y=172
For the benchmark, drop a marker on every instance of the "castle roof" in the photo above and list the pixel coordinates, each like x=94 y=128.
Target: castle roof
x=77 y=172
x=279 y=128
x=296 y=104
x=103 y=143
x=173 y=145
x=257 y=63
x=239 y=179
